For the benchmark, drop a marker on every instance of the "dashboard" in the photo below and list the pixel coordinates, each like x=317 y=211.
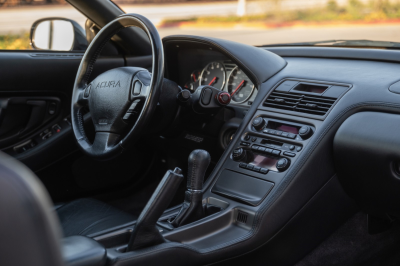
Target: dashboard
x=198 y=67
x=291 y=165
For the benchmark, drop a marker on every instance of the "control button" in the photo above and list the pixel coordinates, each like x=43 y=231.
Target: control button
x=261 y=149
x=206 y=96
x=298 y=149
x=44 y=132
x=48 y=135
x=263 y=171
x=254 y=139
x=258 y=123
x=238 y=154
x=52 y=108
x=290 y=154
x=278 y=132
x=87 y=91
x=133 y=110
x=268 y=150
x=269 y=131
x=56 y=128
x=223 y=98
x=250 y=166
x=292 y=136
x=285 y=134
x=292 y=147
x=247 y=137
x=256 y=169
x=305 y=132
x=127 y=116
x=137 y=87
x=245 y=144
x=184 y=96
x=134 y=106
x=254 y=147
x=282 y=164
x=276 y=152
x=243 y=165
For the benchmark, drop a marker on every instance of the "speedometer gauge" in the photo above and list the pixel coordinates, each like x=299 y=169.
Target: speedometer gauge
x=240 y=86
x=213 y=75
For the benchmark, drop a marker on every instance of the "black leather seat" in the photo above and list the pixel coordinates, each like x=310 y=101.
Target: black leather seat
x=30 y=233
x=29 y=229
x=88 y=216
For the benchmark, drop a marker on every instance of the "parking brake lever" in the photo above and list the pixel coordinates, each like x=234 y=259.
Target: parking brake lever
x=145 y=233
x=192 y=208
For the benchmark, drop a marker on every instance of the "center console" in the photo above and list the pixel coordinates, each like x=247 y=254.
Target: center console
x=260 y=158
x=262 y=155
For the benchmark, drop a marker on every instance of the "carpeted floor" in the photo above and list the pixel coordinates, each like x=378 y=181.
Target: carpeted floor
x=352 y=245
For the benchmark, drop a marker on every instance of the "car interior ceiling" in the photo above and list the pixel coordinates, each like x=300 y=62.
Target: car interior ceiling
x=225 y=154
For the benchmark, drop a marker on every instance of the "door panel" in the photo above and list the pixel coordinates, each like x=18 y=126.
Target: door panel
x=35 y=98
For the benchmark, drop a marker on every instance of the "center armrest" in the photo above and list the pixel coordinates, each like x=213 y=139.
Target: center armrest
x=83 y=251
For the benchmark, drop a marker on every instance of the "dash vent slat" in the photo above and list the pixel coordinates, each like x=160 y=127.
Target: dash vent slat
x=241 y=217
x=316 y=105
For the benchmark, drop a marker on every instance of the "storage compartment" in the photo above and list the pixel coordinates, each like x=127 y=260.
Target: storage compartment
x=243 y=188
x=367 y=159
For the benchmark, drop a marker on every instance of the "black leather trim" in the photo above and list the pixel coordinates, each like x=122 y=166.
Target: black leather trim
x=83 y=251
x=89 y=216
x=29 y=229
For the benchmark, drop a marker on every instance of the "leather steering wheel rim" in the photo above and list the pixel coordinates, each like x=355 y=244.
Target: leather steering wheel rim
x=109 y=144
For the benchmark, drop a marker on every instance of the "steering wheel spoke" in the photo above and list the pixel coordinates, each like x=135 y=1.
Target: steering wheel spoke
x=104 y=141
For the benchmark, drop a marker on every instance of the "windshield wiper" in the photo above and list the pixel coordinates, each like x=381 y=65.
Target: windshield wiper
x=349 y=43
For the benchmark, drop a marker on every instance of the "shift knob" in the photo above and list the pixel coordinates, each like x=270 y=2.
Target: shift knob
x=192 y=207
x=199 y=161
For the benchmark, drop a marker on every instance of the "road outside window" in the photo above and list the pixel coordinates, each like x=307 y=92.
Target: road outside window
x=257 y=22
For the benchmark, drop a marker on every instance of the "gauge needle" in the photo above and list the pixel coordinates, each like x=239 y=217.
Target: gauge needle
x=194 y=77
x=212 y=81
x=238 y=87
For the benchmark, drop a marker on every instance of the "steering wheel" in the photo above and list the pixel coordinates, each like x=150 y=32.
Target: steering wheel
x=122 y=100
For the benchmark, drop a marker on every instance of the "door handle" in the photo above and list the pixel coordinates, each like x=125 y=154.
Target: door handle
x=37 y=114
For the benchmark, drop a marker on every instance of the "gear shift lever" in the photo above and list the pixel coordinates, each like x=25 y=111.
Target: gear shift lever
x=146 y=233
x=192 y=208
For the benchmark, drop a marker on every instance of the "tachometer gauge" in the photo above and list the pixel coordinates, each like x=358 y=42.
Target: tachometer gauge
x=214 y=75
x=194 y=82
x=240 y=86
x=195 y=76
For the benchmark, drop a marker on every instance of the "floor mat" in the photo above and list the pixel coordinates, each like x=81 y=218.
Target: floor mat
x=352 y=245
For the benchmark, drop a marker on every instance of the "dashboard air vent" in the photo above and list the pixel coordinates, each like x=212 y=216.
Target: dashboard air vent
x=241 y=217
x=310 y=104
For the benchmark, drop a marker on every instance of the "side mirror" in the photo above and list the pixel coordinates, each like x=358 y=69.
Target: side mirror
x=58 y=34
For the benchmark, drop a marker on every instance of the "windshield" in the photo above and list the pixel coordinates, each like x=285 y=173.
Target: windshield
x=368 y=23
x=348 y=23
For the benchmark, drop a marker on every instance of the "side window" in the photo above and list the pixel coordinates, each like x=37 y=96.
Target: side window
x=50 y=25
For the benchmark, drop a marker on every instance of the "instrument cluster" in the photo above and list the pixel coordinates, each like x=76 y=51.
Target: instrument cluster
x=225 y=76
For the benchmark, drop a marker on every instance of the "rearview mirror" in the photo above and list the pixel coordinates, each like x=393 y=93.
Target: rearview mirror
x=58 y=34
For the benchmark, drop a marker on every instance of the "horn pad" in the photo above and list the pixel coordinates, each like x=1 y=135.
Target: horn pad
x=109 y=98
